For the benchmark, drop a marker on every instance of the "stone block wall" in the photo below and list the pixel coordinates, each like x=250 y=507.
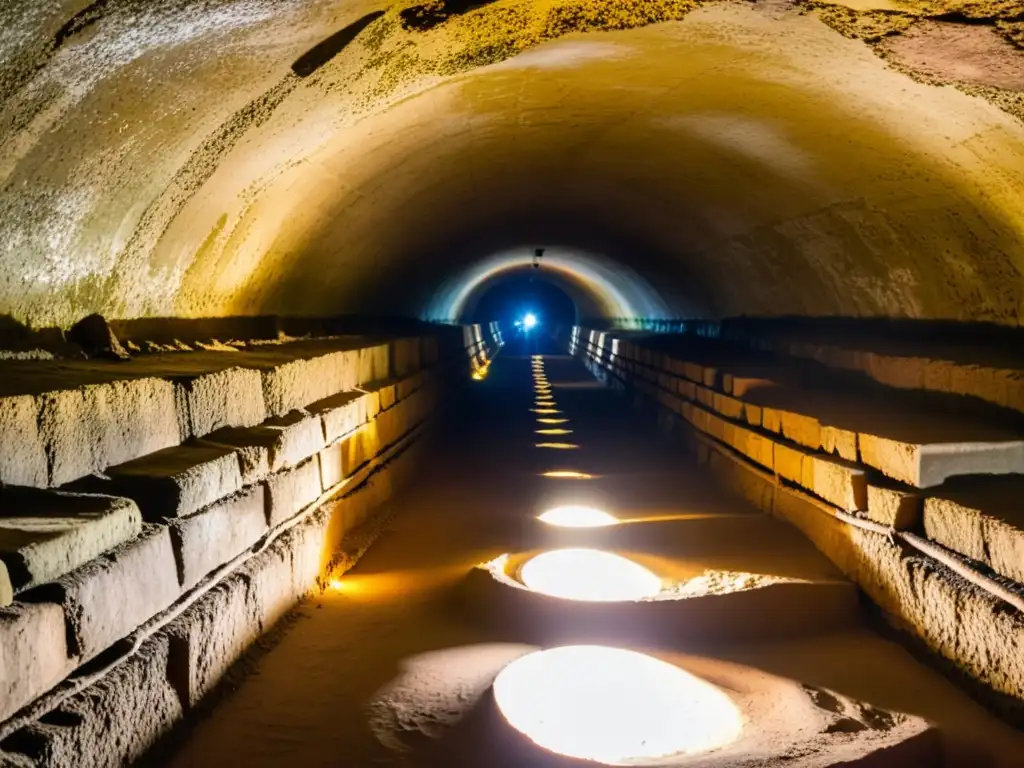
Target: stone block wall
x=153 y=571
x=939 y=557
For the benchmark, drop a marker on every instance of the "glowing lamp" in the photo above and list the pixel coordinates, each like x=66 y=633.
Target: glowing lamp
x=554 y=431
x=557 y=446
x=530 y=321
x=613 y=706
x=588 y=574
x=577 y=517
x=567 y=474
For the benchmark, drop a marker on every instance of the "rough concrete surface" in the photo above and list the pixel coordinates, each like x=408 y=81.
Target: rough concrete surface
x=45 y=534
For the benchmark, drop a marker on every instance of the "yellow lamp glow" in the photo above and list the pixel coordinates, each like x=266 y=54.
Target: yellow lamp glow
x=554 y=431
x=557 y=446
x=613 y=706
x=567 y=474
x=588 y=574
x=552 y=421
x=545 y=411
x=577 y=517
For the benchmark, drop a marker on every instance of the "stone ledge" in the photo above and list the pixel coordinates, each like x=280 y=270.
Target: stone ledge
x=46 y=534
x=109 y=597
x=177 y=481
x=88 y=429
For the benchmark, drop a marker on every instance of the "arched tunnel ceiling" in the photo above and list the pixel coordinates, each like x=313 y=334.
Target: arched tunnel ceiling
x=162 y=158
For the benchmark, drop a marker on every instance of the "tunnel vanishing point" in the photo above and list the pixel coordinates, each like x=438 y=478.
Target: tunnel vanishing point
x=271 y=461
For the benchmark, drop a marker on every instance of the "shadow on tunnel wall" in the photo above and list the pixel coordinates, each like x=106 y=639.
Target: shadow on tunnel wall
x=323 y=52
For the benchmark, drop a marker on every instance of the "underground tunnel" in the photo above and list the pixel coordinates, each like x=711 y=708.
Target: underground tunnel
x=515 y=383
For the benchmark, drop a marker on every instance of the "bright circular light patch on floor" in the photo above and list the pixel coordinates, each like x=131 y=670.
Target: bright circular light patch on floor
x=588 y=574
x=613 y=706
x=567 y=474
x=577 y=517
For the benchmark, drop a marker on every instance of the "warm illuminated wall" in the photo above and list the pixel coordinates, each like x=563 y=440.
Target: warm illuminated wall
x=744 y=159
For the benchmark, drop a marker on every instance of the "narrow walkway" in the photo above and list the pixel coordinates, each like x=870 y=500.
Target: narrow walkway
x=335 y=689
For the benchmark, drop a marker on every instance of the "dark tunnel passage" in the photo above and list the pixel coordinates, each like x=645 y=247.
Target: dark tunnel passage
x=313 y=313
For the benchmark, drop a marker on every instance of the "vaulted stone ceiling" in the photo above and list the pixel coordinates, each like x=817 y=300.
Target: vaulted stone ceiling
x=215 y=157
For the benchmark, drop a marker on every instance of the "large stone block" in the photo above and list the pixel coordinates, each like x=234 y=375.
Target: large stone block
x=332 y=469
x=277 y=443
x=213 y=536
x=228 y=398
x=209 y=637
x=981 y=518
x=925 y=465
x=896 y=507
x=310 y=552
x=23 y=458
x=838 y=441
x=341 y=414
x=789 y=463
x=109 y=597
x=178 y=481
x=299 y=383
x=90 y=428
x=113 y=722
x=374 y=364
x=838 y=482
x=33 y=653
x=45 y=534
x=291 y=490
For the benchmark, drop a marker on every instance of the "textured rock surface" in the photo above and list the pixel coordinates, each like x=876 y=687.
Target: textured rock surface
x=981 y=518
x=45 y=534
x=112 y=722
x=228 y=398
x=290 y=490
x=23 y=460
x=107 y=598
x=88 y=429
x=177 y=481
x=35 y=653
x=213 y=536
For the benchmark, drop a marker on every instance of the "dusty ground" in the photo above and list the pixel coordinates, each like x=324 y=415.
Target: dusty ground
x=379 y=668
